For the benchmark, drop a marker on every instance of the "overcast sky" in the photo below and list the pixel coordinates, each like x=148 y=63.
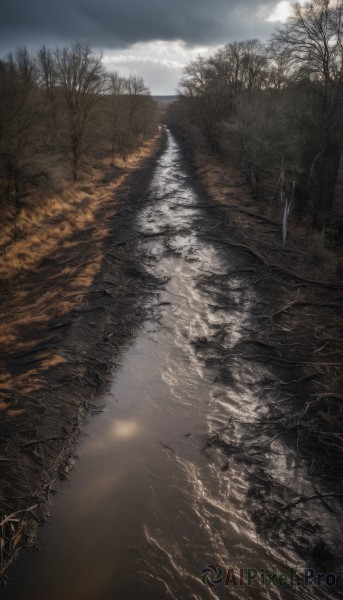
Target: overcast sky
x=154 y=38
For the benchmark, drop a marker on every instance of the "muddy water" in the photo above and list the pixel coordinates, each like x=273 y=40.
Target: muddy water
x=149 y=505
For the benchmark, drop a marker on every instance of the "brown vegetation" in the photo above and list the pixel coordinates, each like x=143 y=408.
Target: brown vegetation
x=285 y=101
x=59 y=112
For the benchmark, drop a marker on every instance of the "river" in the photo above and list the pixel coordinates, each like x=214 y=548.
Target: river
x=150 y=504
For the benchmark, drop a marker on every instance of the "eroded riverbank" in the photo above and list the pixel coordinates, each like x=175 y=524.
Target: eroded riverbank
x=64 y=316
x=176 y=473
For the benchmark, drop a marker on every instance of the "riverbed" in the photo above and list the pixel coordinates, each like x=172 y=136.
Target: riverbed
x=151 y=503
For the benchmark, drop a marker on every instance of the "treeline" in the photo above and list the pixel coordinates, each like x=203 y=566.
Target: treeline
x=283 y=101
x=60 y=109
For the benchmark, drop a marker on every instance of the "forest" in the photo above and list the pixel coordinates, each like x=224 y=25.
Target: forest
x=59 y=110
x=281 y=101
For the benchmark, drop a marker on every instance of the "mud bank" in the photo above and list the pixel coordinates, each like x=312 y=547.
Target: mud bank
x=295 y=329
x=73 y=314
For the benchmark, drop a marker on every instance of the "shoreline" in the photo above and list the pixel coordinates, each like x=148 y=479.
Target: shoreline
x=69 y=361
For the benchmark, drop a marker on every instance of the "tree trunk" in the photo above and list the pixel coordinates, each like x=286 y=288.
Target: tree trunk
x=337 y=205
x=76 y=156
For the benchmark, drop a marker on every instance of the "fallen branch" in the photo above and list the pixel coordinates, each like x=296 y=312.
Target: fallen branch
x=302 y=499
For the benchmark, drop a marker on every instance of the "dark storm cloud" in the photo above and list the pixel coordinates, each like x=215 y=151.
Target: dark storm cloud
x=115 y=23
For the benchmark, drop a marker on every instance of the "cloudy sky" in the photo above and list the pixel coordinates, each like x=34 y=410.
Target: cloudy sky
x=154 y=38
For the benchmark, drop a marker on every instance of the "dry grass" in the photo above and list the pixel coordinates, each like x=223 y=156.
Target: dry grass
x=49 y=257
x=45 y=223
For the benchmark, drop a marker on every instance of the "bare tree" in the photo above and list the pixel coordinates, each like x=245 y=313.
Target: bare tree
x=313 y=41
x=26 y=65
x=47 y=71
x=206 y=95
x=136 y=91
x=19 y=113
x=47 y=77
x=81 y=76
x=59 y=107
x=116 y=88
x=279 y=71
x=285 y=99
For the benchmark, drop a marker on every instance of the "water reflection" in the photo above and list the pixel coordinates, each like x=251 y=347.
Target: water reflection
x=124 y=430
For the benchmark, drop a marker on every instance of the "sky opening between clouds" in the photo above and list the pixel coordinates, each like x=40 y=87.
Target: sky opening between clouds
x=154 y=38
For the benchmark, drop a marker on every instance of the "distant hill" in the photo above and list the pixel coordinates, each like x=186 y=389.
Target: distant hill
x=165 y=99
